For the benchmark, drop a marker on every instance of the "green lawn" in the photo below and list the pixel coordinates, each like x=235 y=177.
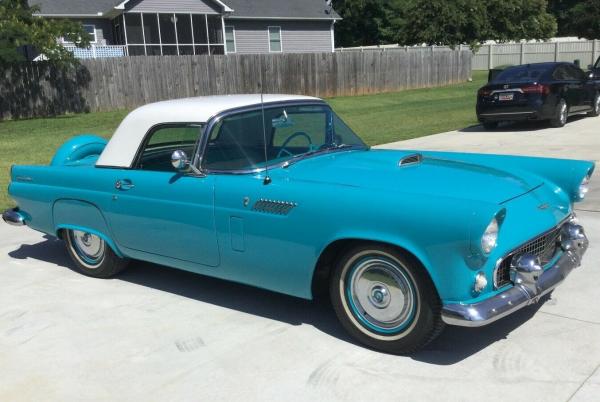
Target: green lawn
x=377 y=118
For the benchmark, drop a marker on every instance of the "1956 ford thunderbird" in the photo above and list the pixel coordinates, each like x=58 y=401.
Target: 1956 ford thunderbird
x=281 y=194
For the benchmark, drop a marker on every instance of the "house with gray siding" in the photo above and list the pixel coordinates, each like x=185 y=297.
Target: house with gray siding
x=191 y=27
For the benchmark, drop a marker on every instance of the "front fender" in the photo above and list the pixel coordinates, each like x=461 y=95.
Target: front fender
x=564 y=173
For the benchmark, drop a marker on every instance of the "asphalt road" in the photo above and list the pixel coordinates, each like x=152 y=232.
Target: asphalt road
x=157 y=334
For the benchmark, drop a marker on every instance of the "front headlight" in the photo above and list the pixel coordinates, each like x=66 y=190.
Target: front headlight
x=490 y=236
x=584 y=187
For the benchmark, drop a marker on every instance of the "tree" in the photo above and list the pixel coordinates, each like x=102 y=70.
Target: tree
x=364 y=23
x=439 y=22
x=577 y=18
x=19 y=28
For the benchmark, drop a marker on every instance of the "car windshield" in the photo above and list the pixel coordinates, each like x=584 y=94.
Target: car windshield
x=525 y=73
x=237 y=142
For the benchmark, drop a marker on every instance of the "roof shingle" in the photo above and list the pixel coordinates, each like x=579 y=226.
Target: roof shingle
x=301 y=9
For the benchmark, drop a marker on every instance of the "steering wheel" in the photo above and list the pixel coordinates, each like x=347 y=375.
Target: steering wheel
x=289 y=139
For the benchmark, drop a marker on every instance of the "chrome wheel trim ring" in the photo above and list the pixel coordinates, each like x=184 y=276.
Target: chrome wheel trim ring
x=398 y=317
x=563 y=113
x=88 y=248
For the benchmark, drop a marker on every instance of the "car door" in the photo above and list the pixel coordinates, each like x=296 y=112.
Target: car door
x=568 y=86
x=588 y=90
x=157 y=210
x=259 y=221
x=577 y=88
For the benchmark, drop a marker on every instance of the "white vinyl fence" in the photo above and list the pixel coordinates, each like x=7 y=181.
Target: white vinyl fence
x=490 y=56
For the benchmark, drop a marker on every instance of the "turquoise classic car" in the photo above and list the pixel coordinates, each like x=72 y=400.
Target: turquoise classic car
x=279 y=193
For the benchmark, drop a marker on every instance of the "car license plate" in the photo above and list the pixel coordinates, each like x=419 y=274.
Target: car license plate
x=506 y=97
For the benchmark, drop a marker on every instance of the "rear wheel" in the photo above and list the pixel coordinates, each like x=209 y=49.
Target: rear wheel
x=490 y=125
x=560 y=114
x=385 y=299
x=596 y=110
x=92 y=256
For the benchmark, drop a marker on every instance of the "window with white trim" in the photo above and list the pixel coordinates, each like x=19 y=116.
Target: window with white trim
x=90 y=29
x=274 y=39
x=230 y=38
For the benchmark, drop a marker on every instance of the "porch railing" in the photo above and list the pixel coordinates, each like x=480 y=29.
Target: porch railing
x=96 y=52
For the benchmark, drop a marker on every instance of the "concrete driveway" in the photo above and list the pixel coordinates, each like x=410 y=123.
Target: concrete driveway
x=158 y=334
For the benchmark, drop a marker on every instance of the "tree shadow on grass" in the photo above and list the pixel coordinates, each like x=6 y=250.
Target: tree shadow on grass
x=42 y=89
x=454 y=345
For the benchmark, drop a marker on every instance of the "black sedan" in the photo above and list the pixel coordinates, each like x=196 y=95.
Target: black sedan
x=540 y=91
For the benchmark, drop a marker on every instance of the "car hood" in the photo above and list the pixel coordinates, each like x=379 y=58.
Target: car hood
x=380 y=170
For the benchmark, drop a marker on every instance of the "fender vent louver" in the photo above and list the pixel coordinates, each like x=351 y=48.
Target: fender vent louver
x=410 y=159
x=274 y=207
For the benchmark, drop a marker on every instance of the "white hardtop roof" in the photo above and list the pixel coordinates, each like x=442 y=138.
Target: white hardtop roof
x=122 y=147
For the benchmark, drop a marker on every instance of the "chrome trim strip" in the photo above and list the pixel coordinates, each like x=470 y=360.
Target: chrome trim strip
x=497 y=91
x=502 y=114
x=518 y=296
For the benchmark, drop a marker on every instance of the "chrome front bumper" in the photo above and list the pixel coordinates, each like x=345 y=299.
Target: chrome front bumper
x=13 y=217
x=531 y=282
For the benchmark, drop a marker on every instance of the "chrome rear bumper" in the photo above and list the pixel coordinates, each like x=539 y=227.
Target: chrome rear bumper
x=13 y=217
x=530 y=284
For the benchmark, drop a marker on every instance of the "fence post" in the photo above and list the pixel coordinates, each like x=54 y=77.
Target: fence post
x=490 y=63
x=522 y=58
x=594 y=51
x=556 y=51
x=94 y=51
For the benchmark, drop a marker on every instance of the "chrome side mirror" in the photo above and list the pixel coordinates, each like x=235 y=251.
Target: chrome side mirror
x=179 y=160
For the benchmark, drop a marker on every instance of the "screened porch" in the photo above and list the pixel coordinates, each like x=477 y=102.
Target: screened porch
x=156 y=34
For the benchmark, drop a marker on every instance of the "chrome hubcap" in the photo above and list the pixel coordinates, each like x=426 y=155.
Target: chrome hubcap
x=381 y=294
x=89 y=247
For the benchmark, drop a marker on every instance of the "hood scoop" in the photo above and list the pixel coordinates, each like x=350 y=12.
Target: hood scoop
x=411 y=159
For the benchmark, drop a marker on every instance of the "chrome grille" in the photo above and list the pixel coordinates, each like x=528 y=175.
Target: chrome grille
x=544 y=247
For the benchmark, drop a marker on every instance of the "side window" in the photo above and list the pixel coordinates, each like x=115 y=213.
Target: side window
x=158 y=147
x=576 y=73
x=560 y=73
x=236 y=143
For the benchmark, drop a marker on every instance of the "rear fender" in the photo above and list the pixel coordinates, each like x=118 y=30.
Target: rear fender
x=79 y=148
x=84 y=216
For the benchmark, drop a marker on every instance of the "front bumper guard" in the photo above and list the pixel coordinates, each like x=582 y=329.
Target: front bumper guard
x=531 y=282
x=13 y=217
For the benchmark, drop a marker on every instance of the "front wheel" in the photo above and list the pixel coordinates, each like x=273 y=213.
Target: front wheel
x=91 y=254
x=596 y=110
x=560 y=114
x=385 y=299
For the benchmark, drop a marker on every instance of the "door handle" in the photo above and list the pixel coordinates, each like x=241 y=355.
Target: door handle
x=124 y=185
